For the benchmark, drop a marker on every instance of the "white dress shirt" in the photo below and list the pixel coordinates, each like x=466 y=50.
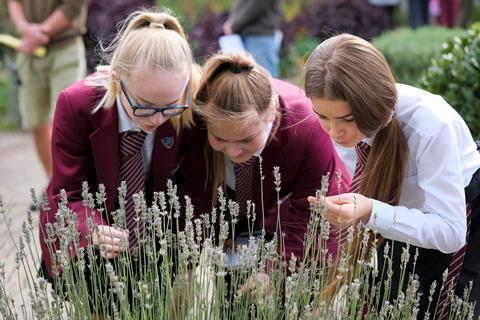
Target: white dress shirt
x=126 y=124
x=441 y=162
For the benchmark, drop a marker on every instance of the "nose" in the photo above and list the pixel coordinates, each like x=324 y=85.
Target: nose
x=333 y=130
x=158 y=119
x=233 y=151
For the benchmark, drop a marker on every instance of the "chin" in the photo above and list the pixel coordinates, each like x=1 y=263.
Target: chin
x=346 y=143
x=148 y=129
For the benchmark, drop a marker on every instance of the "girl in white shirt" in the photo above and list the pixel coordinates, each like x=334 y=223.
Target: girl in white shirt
x=422 y=156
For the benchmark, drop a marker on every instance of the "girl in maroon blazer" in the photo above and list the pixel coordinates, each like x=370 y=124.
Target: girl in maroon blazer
x=141 y=97
x=250 y=115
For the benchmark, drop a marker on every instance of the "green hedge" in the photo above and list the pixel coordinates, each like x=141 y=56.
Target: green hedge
x=292 y=64
x=455 y=75
x=409 y=52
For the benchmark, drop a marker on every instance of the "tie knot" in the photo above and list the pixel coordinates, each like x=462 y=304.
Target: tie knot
x=362 y=150
x=131 y=141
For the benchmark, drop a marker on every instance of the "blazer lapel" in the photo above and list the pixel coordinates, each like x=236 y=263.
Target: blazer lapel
x=105 y=142
x=164 y=156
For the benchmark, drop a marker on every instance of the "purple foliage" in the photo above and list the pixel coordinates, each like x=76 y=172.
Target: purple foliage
x=329 y=17
x=204 y=35
x=102 y=21
x=321 y=20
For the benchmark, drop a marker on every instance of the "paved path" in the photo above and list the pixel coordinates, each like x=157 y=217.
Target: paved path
x=20 y=170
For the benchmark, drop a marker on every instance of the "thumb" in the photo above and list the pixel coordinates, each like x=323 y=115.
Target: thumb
x=312 y=200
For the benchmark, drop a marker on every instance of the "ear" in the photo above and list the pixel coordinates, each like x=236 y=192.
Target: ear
x=115 y=76
x=272 y=109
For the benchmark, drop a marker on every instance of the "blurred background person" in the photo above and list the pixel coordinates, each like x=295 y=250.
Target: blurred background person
x=448 y=13
x=462 y=15
x=388 y=6
x=58 y=26
x=258 y=23
x=418 y=12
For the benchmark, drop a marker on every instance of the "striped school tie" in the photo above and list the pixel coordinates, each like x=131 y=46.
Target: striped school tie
x=453 y=272
x=131 y=171
x=362 y=149
x=243 y=182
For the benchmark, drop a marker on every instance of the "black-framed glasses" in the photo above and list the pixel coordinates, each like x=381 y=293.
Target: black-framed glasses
x=144 y=111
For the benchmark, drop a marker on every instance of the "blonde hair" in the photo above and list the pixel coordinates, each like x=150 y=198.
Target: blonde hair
x=233 y=87
x=348 y=68
x=153 y=39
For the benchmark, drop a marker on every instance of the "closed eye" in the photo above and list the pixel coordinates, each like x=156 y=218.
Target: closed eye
x=246 y=140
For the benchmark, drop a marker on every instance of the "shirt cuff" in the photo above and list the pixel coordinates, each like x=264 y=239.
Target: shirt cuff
x=382 y=218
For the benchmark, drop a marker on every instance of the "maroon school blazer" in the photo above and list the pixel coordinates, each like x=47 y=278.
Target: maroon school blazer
x=304 y=153
x=85 y=147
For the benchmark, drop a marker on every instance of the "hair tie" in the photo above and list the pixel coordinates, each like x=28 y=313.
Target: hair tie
x=234 y=68
x=156 y=25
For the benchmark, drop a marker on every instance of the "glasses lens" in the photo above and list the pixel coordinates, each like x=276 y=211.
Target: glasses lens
x=173 y=112
x=141 y=112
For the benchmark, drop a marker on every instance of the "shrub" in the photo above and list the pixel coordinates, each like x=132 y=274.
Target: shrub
x=322 y=19
x=102 y=23
x=302 y=20
x=204 y=35
x=455 y=75
x=292 y=66
x=409 y=51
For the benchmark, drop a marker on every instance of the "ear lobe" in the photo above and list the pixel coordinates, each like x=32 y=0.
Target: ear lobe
x=271 y=116
x=272 y=110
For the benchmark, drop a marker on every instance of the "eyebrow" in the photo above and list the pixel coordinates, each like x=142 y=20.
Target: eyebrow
x=341 y=117
x=145 y=101
x=240 y=140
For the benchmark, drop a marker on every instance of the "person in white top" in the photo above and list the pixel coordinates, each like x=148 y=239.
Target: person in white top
x=422 y=156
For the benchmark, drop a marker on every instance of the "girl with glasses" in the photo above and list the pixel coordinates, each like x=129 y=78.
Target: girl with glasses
x=420 y=163
x=249 y=116
x=139 y=102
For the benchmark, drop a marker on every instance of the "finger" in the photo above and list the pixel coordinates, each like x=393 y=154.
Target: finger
x=108 y=240
x=259 y=287
x=242 y=289
x=111 y=248
x=109 y=254
x=332 y=219
x=343 y=198
x=247 y=286
x=312 y=200
x=112 y=231
x=332 y=207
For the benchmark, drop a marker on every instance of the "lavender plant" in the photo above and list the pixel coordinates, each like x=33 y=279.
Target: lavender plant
x=184 y=273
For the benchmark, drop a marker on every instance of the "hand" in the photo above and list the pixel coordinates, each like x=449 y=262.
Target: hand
x=256 y=285
x=345 y=209
x=227 y=28
x=110 y=240
x=33 y=36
